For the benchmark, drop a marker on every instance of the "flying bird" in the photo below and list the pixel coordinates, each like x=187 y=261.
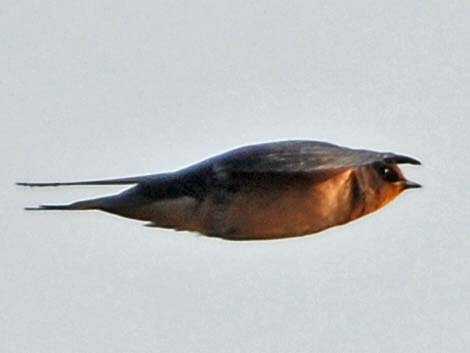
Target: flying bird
x=265 y=191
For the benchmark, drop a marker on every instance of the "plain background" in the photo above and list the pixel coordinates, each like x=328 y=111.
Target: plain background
x=93 y=89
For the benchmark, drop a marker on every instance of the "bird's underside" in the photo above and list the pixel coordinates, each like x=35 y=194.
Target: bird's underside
x=257 y=192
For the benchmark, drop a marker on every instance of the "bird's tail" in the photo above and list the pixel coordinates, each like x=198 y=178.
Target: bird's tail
x=92 y=204
x=111 y=203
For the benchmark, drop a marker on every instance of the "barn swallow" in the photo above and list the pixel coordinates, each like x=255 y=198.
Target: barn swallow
x=265 y=191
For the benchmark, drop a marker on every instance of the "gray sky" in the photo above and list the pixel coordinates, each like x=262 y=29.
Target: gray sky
x=112 y=88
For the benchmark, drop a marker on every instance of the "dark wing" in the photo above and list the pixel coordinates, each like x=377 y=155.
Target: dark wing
x=291 y=157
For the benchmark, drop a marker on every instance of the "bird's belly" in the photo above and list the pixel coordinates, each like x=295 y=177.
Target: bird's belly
x=282 y=216
x=292 y=211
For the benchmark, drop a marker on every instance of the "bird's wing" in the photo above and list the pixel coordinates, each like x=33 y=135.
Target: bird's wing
x=292 y=157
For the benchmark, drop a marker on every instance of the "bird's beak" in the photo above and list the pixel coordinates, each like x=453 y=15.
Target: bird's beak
x=411 y=184
x=399 y=159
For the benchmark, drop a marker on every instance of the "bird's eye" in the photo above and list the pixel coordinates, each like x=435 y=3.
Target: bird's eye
x=389 y=173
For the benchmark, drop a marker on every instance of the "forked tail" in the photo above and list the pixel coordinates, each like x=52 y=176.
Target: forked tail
x=107 y=203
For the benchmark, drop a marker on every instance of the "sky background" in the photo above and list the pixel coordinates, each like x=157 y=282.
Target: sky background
x=92 y=89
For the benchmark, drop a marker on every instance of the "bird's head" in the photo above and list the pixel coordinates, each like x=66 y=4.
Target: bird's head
x=386 y=180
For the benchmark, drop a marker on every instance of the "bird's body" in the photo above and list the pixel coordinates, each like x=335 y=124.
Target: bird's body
x=266 y=191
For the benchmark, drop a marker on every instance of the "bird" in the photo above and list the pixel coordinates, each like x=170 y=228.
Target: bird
x=264 y=191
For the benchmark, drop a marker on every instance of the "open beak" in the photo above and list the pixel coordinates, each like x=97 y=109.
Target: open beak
x=411 y=184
